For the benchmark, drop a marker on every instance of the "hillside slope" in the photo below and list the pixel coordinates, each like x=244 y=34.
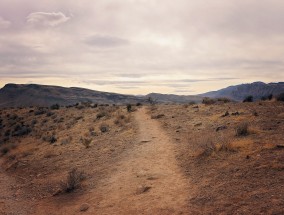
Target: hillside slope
x=171 y=98
x=13 y=95
x=239 y=92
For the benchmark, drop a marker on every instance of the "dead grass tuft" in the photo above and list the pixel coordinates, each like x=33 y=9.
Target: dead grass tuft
x=242 y=129
x=73 y=181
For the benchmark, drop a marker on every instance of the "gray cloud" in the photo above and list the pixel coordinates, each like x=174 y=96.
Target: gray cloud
x=4 y=23
x=135 y=46
x=46 y=19
x=106 y=41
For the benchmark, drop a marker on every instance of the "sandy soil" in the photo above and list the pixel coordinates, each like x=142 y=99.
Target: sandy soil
x=148 y=180
x=150 y=161
x=135 y=172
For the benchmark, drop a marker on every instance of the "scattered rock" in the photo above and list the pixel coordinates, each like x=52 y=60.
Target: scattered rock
x=145 y=141
x=222 y=127
x=236 y=114
x=198 y=124
x=142 y=189
x=280 y=146
x=84 y=207
x=226 y=114
x=157 y=116
x=57 y=192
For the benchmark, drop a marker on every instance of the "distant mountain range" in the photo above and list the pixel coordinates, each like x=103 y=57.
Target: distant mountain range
x=239 y=92
x=14 y=95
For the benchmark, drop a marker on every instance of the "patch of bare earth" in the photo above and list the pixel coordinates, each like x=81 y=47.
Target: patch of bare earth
x=230 y=174
x=127 y=160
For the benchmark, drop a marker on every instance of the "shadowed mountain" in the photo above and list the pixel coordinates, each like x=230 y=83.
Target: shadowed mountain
x=23 y=95
x=239 y=92
x=13 y=95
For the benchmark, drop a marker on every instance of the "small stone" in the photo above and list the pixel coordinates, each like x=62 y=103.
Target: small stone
x=84 y=207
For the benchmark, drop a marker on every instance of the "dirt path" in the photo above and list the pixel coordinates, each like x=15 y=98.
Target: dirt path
x=148 y=180
x=10 y=199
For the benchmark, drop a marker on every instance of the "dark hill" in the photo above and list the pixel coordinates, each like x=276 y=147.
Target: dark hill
x=239 y=92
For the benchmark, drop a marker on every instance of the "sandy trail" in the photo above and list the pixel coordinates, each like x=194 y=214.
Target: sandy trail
x=148 y=180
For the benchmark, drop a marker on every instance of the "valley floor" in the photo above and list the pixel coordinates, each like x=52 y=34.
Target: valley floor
x=164 y=159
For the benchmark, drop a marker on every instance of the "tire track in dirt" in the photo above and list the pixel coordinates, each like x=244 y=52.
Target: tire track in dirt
x=148 y=180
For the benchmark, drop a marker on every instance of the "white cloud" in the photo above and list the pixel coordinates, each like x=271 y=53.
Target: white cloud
x=46 y=19
x=152 y=41
x=4 y=23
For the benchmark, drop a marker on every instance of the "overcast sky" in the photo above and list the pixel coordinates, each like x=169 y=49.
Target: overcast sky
x=142 y=46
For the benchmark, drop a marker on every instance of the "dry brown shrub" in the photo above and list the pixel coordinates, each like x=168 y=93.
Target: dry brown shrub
x=73 y=181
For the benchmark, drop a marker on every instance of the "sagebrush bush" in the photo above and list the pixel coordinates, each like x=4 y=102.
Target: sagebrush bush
x=242 y=129
x=129 y=107
x=280 y=97
x=104 y=128
x=248 y=99
x=208 y=101
x=87 y=142
x=73 y=180
x=55 y=107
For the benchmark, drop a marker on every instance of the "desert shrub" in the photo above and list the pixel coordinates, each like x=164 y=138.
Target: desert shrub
x=101 y=114
x=86 y=142
x=263 y=98
x=80 y=107
x=270 y=96
x=48 y=114
x=158 y=116
x=94 y=105
x=242 y=129
x=5 y=150
x=104 y=128
x=121 y=120
x=226 y=114
x=21 y=130
x=51 y=139
x=224 y=144
x=138 y=104
x=192 y=103
x=78 y=118
x=34 y=121
x=248 y=99
x=129 y=107
x=39 y=112
x=208 y=101
x=224 y=100
x=280 y=97
x=151 y=101
x=13 y=117
x=73 y=181
x=55 y=107
x=207 y=146
x=7 y=133
x=66 y=141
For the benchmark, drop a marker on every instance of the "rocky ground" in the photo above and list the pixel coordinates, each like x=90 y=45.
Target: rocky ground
x=163 y=159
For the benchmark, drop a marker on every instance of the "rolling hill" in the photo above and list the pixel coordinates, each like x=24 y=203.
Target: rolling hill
x=14 y=95
x=255 y=89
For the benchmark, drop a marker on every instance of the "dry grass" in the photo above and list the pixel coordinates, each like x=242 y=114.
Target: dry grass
x=73 y=181
x=242 y=129
x=86 y=142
